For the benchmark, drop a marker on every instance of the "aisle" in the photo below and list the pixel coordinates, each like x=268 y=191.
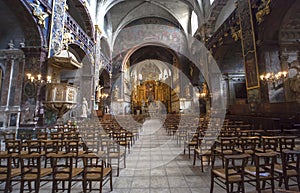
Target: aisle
x=156 y=164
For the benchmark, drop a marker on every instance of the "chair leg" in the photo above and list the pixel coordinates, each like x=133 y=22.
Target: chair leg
x=201 y=162
x=37 y=186
x=22 y=187
x=258 y=186
x=69 y=186
x=298 y=181
x=101 y=186
x=54 y=186
x=195 y=156
x=286 y=182
x=124 y=161
x=272 y=185
x=84 y=186
x=212 y=183
x=118 y=168
x=227 y=188
x=111 y=182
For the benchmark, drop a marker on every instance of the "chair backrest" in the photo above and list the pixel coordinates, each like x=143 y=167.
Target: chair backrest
x=9 y=136
x=290 y=162
x=237 y=163
x=228 y=143
x=71 y=146
x=43 y=135
x=265 y=164
x=93 y=166
x=50 y=146
x=5 y=168
x=286 y=143
x=113 y=147
x=30 y=166
x=34 y=146
x=62 y=166
x=13 y=145
x=269 y=143
x=249 y=143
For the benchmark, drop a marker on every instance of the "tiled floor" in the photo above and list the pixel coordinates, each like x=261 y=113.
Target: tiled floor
x=156 y=164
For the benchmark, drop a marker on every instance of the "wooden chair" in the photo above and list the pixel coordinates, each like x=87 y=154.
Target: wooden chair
x=6 y=171
x=225 y=146
x=181 y=134
x=248 y=145
x=291 y=167
x=63 y=171
x=95 y=170
x=263 y=171
x=232 y=173
x=115 y=153
x=72 y=146
x=122 y=139
x=49 y=147
x=13 y=147
x=191 y=142
x=31 y=171
x=203 y=150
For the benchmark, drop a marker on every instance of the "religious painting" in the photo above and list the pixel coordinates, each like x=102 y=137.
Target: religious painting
x=251 y=70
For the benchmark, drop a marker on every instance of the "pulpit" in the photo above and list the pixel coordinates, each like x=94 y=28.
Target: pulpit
x=60 y=97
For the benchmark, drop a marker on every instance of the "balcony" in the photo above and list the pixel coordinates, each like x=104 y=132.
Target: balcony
x=81 y=38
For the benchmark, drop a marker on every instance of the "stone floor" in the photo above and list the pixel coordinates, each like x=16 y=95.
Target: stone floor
x=156 y=164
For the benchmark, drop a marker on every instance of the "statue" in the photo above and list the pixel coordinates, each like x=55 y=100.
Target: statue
x=39 y=13
x=187 y=91
x=263 y=10
x=98 y=93
x=84 y=107
x=295 y=85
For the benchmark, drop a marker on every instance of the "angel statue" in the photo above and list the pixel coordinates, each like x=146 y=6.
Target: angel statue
x=39 y=13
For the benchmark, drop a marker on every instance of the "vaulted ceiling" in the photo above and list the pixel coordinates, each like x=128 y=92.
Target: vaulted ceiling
x=119 y=13
x=114 y=15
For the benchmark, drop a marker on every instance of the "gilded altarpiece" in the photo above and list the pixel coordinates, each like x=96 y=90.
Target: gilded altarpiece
x=151 y=91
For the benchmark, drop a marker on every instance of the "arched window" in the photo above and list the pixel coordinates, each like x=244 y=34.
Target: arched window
x=1 y=80
x=194 y=22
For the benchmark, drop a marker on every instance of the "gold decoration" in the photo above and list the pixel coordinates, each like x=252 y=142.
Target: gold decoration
x=236 y=33
x=263 y=10
x=67 y=39
x=39 y=13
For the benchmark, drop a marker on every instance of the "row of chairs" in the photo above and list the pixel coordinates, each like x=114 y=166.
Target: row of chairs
x=63 y=169
x=238 y=171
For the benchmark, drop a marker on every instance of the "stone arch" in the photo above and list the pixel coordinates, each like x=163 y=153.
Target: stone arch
x=105 y=48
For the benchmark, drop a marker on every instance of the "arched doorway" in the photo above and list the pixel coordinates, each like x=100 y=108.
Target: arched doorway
x=148 y=80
